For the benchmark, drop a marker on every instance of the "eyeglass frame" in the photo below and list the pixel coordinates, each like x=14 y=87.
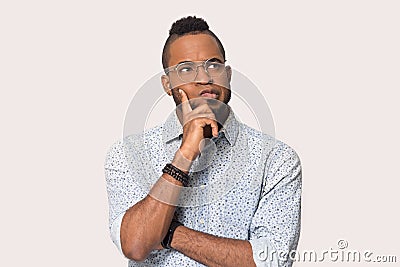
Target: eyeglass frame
x=203 y=64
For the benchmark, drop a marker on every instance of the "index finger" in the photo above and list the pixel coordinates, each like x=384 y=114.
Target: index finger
x=186 y=108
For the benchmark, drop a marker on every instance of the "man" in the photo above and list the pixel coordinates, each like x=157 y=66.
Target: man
x=253 y=221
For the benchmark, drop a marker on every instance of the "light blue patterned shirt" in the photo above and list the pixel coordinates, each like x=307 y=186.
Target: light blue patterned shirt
x=257 y=181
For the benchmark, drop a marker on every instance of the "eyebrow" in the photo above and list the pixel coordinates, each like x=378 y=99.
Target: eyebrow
x=214 y=59
x=185 y=61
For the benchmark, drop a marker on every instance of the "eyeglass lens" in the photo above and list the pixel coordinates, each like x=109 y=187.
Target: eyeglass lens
x=187 y=71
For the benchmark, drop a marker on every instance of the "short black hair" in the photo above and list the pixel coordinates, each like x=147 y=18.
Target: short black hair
x=185 y=26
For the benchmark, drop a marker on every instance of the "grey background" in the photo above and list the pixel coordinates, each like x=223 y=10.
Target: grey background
x=68 y=70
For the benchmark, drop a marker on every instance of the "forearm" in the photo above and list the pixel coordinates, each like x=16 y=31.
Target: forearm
x=212 y=250
x=145 y=224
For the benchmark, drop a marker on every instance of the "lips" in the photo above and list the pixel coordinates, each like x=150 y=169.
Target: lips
x=209 y=93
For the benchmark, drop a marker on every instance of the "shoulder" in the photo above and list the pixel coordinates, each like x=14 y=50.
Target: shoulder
x=280 y=161
x=277 y=150
x=131 y=145
x=282 y=152
x=254 y=135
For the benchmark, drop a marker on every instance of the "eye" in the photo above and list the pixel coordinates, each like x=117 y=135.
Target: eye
x=185 y=68
x=214 y=66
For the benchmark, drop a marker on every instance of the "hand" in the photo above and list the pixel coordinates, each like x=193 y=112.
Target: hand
x=194 y=122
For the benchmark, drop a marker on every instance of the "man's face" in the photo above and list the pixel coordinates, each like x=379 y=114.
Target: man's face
x=194 y=48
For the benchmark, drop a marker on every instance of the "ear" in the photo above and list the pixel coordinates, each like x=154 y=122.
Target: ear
x=228 y=73
x=166 y=84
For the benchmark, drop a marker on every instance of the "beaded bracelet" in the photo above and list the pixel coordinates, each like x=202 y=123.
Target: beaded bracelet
x=176 y=173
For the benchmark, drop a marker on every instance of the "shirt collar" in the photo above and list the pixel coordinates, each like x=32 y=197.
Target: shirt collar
x=172 y=128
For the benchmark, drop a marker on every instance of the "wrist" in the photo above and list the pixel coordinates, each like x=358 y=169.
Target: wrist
x=177 y=235
x=176 y=173
x=167 y=241
x=188 y=154
x=182 y=160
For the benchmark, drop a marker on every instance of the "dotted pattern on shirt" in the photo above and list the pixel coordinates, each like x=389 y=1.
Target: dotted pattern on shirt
x=264 y=202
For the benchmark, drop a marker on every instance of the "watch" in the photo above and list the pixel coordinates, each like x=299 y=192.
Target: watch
x=166 y=242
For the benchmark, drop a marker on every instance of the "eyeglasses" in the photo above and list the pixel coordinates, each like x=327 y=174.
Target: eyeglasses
x=188 y=71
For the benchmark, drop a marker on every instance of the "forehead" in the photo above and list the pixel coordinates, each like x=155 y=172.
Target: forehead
x=195 y=47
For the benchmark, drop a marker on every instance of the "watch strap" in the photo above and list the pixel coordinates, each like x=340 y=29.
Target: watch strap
x=166 y=242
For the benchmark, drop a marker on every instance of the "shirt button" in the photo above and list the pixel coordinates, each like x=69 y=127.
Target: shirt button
x=202 y=221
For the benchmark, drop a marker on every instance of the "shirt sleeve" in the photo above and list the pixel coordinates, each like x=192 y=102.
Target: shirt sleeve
x=275 y=227
x=115 y=232
x=123 y=187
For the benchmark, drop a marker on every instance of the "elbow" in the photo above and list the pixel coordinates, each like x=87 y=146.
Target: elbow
x=135 y=256
x=136 y=252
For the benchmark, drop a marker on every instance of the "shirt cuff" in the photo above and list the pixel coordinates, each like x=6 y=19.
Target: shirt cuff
x=116 y=232
x=264 y=254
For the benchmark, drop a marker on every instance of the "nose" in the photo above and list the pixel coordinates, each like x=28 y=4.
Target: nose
x=202 y=76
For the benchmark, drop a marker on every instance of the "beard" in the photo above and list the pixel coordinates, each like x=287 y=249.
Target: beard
x=220 y=108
